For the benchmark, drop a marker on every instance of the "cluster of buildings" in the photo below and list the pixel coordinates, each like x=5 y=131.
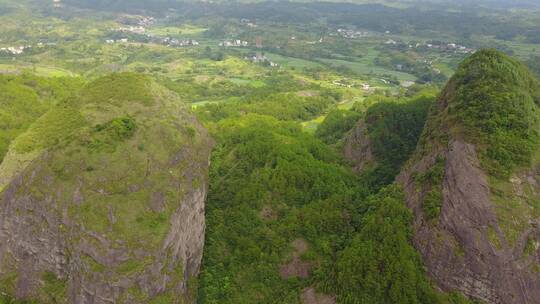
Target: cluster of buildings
x=346 y=83
x=234 y=43
x=137 y=24
x=351 y=34
x=178 y=42
x=133 y=25
x=147 y=38
x=172 y=42
x=342 y=83
x=168 y=41
x=131 y=29
x=441 y=46
x=136 y=20
x=14 y=50
x=18 y=50
x=450 y=47
x=145 y=20
x=261 y=58
x=248 y=22
x=112 y=41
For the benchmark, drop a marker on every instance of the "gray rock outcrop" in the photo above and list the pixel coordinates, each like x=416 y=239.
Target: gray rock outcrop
x=103 y=219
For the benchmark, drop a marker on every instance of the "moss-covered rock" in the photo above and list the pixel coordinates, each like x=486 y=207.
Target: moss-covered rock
x=102 y=198
x=474 y=182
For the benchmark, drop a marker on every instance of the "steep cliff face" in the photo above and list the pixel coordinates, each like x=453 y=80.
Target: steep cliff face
x=357 y=148
x=102 y=199
x=473 y=183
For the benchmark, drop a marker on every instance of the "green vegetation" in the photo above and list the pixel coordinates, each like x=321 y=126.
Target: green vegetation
x=50 y=129
x=55 y=289
x=284 y=106
x=431 y=180
x=104 y=151
x=273 y=185
x=534 y=64
x=394 y=126
x=9 y=300
x=336 y=124
x=270 y=184
x=380 y=265
x=403 y=61
x=394 y=129
x=106 y=136
x=496 y=100
x=116 y=89
x=284 y=210
x=24 y=98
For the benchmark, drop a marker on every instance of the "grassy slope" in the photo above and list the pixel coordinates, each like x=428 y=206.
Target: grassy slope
x=25 y=98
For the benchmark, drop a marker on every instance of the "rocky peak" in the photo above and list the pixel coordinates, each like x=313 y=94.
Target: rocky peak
x=102 y=199
x=476 y=230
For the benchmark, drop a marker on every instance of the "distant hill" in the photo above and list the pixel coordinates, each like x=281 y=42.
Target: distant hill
x=408 y=3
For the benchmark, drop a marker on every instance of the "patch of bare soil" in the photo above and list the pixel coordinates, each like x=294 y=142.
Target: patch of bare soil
x=307 y=93
x=310 y=296
x=296 y=267
x=267 y=213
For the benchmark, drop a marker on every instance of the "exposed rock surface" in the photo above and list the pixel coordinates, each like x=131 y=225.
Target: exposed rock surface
x=357 y=149
x=457 y=251
x=95 y=220
x=477 y=233
x=296 y=267
x=311 y=296
x=484 y=240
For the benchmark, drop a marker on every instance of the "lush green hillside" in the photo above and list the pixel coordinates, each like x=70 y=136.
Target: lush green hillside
x=491 y=101
x=393 y=130
x=24 y=98
x=270 y=185
x=336 y=124
x=285 y=215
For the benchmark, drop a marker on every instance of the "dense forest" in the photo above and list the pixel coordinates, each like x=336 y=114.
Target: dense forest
x=299 y=152
x=281 y=199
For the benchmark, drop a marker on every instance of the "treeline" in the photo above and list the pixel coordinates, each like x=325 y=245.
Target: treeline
x=463 y=21
x=284 y=98
x=273 y=82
